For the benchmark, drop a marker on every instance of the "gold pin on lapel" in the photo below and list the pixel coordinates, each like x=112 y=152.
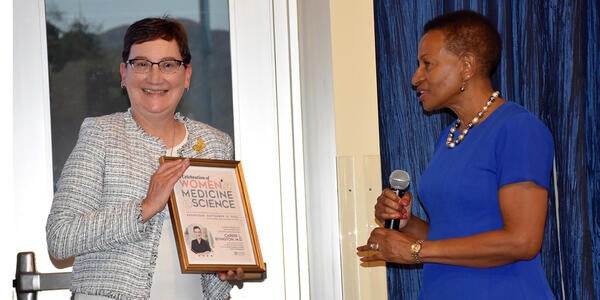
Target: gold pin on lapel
x=200 y=145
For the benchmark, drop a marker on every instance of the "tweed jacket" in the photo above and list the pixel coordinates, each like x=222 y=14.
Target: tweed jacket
x=96 y=212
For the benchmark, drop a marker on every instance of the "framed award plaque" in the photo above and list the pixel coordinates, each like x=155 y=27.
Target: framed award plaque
x=212 y=219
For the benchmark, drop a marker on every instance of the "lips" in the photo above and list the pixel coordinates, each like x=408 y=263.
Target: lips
x=420 y=93
x=149 y=91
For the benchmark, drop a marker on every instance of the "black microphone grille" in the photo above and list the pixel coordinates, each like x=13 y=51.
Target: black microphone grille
x=399 y=179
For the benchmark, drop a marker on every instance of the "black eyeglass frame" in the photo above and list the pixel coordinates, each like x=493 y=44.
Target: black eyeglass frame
x=160 y=67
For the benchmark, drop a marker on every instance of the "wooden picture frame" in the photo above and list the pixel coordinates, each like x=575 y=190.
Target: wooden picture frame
x=212 y=218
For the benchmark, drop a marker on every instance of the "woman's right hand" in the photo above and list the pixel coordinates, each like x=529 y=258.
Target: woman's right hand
x=161 y=185
x=391 y=206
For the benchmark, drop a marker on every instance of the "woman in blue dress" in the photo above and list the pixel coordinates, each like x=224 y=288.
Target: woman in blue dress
x=485 y=190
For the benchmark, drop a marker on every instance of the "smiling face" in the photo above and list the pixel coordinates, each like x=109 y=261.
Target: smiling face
x=439 y=75
x=155 y=93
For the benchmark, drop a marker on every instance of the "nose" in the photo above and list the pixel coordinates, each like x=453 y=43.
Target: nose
x=417 y=78
x=155 y=74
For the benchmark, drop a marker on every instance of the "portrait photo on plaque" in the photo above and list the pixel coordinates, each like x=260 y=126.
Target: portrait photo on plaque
x=212 y=218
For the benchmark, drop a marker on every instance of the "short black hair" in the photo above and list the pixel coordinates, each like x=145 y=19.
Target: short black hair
x=466 y=30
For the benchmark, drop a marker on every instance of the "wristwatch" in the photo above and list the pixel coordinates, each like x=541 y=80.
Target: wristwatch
x=415 y=249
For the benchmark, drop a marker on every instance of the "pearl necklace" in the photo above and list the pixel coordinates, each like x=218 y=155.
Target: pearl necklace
x=451 y=144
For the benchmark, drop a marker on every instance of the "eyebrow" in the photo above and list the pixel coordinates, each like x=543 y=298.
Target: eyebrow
x=423 y=56
x=162 y=59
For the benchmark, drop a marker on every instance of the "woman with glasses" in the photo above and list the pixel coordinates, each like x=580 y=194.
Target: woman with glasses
x=109 y=209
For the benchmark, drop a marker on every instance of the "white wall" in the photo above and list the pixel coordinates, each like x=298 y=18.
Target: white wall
x=357 y=142
x=319 y=149
x=265 y=138
x=7 y=218
x=31 y=143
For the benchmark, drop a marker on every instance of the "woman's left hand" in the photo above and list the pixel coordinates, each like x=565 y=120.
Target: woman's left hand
x=387 y=245
x=234 y=277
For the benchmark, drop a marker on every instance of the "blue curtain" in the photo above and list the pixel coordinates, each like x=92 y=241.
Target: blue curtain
x=550 y=65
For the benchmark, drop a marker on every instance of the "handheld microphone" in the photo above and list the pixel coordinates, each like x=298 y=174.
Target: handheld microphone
x=399 y=182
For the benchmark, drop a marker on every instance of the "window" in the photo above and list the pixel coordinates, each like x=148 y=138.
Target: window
x=85 y=40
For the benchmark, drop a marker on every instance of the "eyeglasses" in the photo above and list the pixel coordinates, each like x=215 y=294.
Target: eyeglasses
x=142 y=65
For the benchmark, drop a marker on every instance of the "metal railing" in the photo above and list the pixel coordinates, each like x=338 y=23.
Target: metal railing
x=28 y=282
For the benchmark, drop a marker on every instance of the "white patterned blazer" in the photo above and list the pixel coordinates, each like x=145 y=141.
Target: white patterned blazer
x=96 y=211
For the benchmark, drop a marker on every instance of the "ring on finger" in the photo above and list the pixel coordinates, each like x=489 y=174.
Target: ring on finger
x=374 y=246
